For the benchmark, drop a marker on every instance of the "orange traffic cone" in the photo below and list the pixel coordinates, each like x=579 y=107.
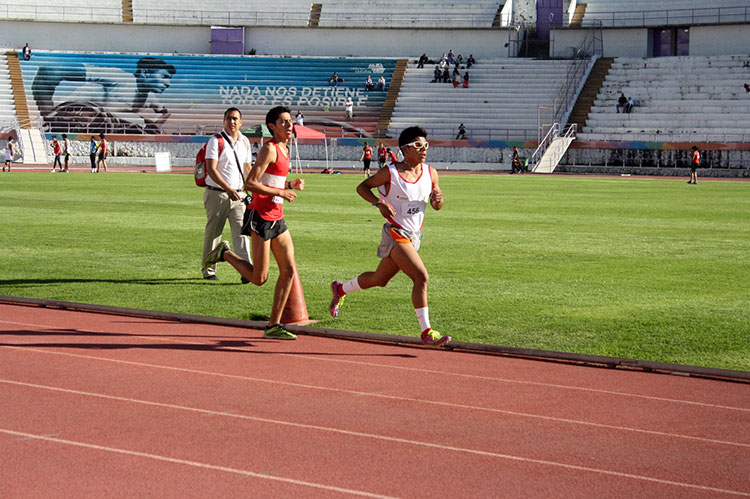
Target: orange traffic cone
x=295 y=310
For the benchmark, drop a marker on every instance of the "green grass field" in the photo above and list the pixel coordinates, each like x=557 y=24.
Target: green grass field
x=653 y=269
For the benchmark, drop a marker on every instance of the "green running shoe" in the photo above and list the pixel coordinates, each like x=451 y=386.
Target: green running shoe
x=278 y=332
x=216 y=254
x=433 y=338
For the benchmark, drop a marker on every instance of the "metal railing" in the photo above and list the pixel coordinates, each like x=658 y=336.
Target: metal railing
x=552 y=133
x=287 y=17
x=584 y=58
x=686 y=17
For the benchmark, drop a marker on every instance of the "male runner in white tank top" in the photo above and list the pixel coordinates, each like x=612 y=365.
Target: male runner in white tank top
x=403 y=191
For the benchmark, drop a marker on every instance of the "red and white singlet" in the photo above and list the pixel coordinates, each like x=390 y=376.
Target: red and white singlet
x=272 y=207
x=409 y=199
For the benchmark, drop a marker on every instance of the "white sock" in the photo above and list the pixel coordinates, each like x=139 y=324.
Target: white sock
x=423 y=316
x=349 y=286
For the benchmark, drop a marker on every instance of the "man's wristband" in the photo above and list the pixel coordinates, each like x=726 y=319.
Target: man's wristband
x=376 y=203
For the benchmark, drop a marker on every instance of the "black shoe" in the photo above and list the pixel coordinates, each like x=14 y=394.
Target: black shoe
x=211 y=277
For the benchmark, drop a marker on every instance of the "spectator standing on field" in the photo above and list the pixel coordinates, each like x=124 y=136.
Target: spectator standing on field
x=57 y=151
x=695 y=161
x=66 y=151
x=101 y=164
x=93 y=147
x=228 y=158
x=9 y=151
x=366 y=158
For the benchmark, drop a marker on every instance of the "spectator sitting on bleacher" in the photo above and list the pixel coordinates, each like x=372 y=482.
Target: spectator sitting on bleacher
x=747 y=88
x=300 y=118
x=446 y=76
x=437 y=75
x=451 y=57
x=621 y=102
x=461 y=132
x=470 y=61
x=369 y=85
x=381 y=83
x=422 y=60
x=466 y=80
x=124 y=99
x=456 y=77
x=335 y=80
x=443 y=62
x=629 y=105
x=26 y=52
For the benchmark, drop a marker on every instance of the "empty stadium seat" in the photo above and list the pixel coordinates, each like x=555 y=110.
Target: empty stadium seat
x=675 y=95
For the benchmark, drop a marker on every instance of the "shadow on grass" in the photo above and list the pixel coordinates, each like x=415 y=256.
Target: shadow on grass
x=25 y=282
x=232 y=346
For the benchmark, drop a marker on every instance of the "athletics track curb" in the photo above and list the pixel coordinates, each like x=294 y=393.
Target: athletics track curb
x=408 y=341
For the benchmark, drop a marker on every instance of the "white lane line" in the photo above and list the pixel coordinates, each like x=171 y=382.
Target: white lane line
x=441 y=373
x=394 y=397
x=195 y=464
x=385 y=438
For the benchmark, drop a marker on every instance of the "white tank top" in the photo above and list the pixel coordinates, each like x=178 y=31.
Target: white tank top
x=409 y=199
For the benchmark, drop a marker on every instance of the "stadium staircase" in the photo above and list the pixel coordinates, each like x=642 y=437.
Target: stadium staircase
x=689 y=98
x=590 y=90
x=17 y=87
x=204 y=86
x=7 y=104
x=501 y=103
x=578 y=15
x=315 y=15
x=384 y=122
x=127 y=11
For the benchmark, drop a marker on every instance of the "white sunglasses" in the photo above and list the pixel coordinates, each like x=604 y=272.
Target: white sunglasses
x=418 y=145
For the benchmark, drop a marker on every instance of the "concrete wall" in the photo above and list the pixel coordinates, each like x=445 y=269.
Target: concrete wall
x=482 y=43
x=633 y=42
x=719 y=40
x=630 y=42
x=105 y=37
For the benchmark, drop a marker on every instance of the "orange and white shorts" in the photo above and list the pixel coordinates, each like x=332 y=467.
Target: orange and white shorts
x=392 y=235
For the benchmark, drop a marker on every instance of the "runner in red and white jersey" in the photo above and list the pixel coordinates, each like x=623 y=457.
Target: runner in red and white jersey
x=264 y=221
x=404 y=188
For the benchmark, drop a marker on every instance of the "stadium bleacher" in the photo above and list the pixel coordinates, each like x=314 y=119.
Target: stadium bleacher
x=7 y=106
x=408 y=13
x=201 y=88
x=700 y=96
x=501 y=102
x=616 y=13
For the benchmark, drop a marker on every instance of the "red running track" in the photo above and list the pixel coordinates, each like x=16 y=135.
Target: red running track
x=94 y=405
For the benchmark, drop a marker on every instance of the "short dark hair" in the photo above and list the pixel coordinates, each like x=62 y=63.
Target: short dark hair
x=410 y=134
x=153 y=64
x=101 y=135
x=231 y=110
x=65 y=135
x=273 y=114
